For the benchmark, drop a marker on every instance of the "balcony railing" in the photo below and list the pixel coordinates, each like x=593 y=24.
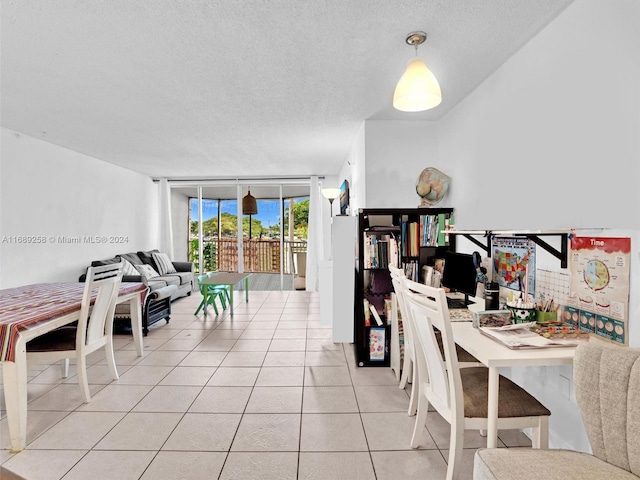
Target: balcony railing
x=260 y=255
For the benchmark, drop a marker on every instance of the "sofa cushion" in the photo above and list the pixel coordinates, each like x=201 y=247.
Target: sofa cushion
x=108 y=261
x=184 y=277
x=156 y=283
x=163 y=262
x=128 y=269
x=132 y=257
x=147 y=271
x=147 y=258
x=169 y=279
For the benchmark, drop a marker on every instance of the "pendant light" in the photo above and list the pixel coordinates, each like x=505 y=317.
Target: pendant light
x=418 y=89
x=249 y=207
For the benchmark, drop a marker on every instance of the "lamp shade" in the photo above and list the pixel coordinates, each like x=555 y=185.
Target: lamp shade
x=418 y=89
x=249 y=204
x=330 y=193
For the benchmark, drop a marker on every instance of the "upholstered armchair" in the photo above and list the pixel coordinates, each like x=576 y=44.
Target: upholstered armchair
x=607 y=386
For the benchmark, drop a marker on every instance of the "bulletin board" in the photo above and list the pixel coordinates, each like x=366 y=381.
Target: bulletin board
x=599 y=293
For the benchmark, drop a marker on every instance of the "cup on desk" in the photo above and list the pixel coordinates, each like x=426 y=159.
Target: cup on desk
x=492 y=296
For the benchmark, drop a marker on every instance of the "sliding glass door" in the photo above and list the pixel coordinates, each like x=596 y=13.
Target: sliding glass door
x=274 y=239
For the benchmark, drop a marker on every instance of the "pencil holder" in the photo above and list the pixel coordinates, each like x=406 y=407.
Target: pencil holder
x=522 y=315
x=546 y=317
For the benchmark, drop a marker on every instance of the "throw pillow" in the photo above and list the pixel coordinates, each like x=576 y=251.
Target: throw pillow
x=163 y=262
x=147 y=271
x=128 y=269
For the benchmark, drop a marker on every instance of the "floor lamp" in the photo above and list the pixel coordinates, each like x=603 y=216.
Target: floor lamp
x=331 y=194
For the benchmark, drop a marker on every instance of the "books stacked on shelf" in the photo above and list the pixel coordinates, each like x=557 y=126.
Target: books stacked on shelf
x=429 y=231
x=410 y=239
x=432 y=229
x=380 y=251
x=410 y=268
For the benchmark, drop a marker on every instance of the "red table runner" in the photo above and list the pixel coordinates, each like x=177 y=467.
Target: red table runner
x=22 y=308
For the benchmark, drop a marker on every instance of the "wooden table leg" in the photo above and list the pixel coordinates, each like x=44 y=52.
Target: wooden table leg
x=135 y=309
x=14 y=378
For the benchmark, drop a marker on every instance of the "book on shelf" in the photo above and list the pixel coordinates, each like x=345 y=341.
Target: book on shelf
x=380 y=251
x=410 y=268
x=429 y=231
x=432 y=230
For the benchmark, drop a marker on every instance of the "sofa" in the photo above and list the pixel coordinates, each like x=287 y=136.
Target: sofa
x=164 y=287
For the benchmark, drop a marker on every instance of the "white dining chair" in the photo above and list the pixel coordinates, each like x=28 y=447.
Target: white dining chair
x=94 y=329
x=460 y=395
x=408 y=370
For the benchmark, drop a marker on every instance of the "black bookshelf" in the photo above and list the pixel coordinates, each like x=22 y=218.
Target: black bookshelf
x=385 y=233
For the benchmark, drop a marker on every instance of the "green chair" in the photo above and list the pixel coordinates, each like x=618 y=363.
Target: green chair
x=224 y=288
x=210 y=292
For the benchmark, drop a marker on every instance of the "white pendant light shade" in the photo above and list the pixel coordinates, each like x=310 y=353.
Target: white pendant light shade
x=418 y=89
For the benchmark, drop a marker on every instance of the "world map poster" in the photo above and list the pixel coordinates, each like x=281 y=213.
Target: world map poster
x=599 y=298
x=514 y=261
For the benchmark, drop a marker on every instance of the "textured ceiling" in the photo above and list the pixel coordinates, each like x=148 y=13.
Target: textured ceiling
x=224 y=88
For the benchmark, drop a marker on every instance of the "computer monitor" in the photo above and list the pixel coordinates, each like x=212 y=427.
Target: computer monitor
x=460 y=273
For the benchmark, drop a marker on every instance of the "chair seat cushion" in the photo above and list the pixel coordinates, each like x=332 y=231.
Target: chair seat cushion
x=534 y=464
x=514 y=401
x=61 y=339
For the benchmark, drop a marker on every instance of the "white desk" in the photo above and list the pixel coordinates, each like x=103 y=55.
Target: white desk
x=495 y=355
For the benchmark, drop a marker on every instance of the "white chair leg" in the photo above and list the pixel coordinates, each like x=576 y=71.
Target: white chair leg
x=406 y=371
x=64 y=365
x=413 y=399
x=111 y=360
x=456 y=443
x=541 y=434
x=421 y=419
x=81 y=363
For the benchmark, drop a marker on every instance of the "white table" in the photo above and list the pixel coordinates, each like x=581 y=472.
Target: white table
x=495 y=355
x=49 y=306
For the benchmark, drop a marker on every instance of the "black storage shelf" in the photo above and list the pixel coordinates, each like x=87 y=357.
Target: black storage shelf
x=385 y=224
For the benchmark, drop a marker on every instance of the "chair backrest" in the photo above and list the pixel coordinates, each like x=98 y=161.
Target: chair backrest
x=607 y=385
x=397 y=277
x=97 y=318
x=427 y=308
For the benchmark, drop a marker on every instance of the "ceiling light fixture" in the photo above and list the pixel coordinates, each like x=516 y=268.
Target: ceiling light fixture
x=418 y=89
x=249 y=207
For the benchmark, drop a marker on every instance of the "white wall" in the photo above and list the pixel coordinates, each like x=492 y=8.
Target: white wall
x=550 y=140
x=353 y=170
x=49 y=192
x=396 y=153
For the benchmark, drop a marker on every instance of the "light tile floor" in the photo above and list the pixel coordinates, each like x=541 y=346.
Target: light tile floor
x=264 y=395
